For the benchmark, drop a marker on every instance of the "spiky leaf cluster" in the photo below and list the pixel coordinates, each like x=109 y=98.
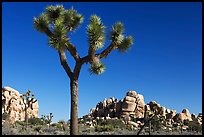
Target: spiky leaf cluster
x=125 y=44
x=97 y=68
x=116 y=34
x=53 y=12
x=42 y=23
x=59 y=40
x=59 y=22
x=72 y=19
x=96 y=32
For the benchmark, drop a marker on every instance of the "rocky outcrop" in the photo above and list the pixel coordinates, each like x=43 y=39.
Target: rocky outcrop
x=13 y=105
x=133 y=106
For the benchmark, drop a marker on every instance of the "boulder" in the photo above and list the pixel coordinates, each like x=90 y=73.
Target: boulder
x=163 y=111
x=168 y=110
x=177 y=117
x=193 y=116
x=171 y=114
x=132 y=94
x=141 y=102
x=130 y=99
x=199 y=118
x=185 y=115
x=119 y=106
x=123 y=113
x=128 y=106
x=104 y=103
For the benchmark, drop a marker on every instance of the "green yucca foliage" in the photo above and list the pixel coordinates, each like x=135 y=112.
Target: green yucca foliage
x=96 y=32
x=53 y=12
x=97 y=68
x=72 y=19
x=59 y=22
x=41 y=23
x=59 y=40
x=125 y=44
x=116 y=34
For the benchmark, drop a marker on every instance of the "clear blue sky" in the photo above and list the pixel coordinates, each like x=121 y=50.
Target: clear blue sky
x=164 y=64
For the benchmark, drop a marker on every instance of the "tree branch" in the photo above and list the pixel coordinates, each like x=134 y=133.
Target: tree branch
x=103 y=54
x=91 y=54
x=63 y=61
x=106 y=51
x=77 y=69
x=85 y=59
x=48 y=32
x=72 y=49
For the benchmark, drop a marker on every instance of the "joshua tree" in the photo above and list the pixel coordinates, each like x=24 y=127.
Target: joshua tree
x=28 y=104
x=43 y=119
x=56 y=23
x=49 y=118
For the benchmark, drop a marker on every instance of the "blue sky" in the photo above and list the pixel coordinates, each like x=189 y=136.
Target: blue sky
x=164 y=64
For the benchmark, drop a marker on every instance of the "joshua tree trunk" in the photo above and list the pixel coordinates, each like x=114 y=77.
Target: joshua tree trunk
x=74 y=107
x=150 y=128
x=73 y=76
x=26 y=119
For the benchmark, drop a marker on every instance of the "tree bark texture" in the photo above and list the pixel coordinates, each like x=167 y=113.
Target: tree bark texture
x=74 y=107
x=26 y=118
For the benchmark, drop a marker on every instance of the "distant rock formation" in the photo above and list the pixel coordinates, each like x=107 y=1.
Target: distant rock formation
x=12 y=104
x=133 y=106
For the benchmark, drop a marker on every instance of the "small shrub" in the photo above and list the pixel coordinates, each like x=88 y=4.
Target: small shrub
x=38 y=128
x=194 y=126
x=59 y=126
x=5 y=116
x=116 y=123
x=104 y=128
x=21 y=123
x=34 y=121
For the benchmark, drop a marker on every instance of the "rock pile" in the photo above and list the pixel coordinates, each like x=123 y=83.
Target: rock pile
x=134 y=107
x=133 y=104
x=13 y=105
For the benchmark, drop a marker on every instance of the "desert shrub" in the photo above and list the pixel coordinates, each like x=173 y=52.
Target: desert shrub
x=5 y=116
x=59 y=126
x=100 y=122
x=194 y=126
x=38 y=128
x=104 y=128
x=116 y=123
x=21 y=123
x=34 y=121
